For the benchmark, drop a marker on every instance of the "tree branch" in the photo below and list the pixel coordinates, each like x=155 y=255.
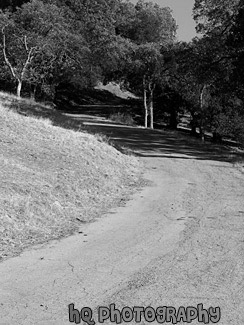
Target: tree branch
x=5 y=55
x=28 y=60
x=26 y=46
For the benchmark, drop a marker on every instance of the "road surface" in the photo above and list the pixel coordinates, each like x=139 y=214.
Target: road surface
x=177 y=242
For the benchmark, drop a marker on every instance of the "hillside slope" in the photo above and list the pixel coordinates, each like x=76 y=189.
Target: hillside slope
x=53 y=179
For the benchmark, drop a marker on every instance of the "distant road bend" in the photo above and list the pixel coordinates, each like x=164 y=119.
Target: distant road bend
x=178 y=242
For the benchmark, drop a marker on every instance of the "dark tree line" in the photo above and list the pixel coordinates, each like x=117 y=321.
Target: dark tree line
x=11 y=4
x=208 y=72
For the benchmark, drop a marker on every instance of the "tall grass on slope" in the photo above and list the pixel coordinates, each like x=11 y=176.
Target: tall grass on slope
x=52 y=178
x=42 y=111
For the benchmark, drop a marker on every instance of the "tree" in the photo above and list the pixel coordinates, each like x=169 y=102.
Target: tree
x=150 y=62
x=23 y=56
x=221 y=23
x=42 y=46
x=147 y=22
x=95 y=21
x=150 y=28
x=21 y=74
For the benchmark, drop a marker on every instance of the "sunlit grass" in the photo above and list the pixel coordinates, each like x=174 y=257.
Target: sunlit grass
x=52 y=178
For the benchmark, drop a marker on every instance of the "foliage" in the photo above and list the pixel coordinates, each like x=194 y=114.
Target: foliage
x=123 y=118
x=214 y=16
x=57 y=50
x=209 y=69
x=147 y=23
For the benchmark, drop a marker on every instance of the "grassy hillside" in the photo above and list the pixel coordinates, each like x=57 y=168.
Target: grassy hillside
x=53 y=179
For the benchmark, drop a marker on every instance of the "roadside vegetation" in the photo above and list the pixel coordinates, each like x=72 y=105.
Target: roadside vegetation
x=52 y=179
x=122 y=118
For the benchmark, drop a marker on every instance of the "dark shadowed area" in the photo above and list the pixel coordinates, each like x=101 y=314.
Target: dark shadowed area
x=162 y=143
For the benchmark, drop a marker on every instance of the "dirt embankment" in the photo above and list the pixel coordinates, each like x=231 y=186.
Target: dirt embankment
x=53 y=180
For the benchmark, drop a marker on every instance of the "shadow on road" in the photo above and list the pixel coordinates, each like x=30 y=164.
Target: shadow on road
x=155 y=143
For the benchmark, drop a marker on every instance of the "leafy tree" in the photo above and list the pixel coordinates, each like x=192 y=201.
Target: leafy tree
x=221 y=23
x=147 y=22
x=42 y=32
x=95 y=21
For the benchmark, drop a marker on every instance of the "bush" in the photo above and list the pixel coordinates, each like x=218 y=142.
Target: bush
x=123 y=118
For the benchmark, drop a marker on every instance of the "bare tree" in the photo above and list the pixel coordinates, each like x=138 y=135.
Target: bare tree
x=19 y=76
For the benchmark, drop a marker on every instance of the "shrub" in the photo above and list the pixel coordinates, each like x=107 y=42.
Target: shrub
x=123 y=118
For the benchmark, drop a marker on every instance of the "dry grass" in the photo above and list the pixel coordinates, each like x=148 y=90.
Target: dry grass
x=53 y=179
x=115 y=89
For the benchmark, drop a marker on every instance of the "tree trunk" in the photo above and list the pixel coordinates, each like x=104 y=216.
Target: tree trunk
x=151 y=106
x=145 y=107
x=201 y=112
x=193 y=125
x=33 y=92
x=19 y=88
x=145 y=101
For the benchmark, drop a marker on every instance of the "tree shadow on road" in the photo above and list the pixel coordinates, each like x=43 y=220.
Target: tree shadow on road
x=156 y=143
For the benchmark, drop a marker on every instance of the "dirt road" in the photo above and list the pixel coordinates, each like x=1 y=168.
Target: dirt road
x=177 y=242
